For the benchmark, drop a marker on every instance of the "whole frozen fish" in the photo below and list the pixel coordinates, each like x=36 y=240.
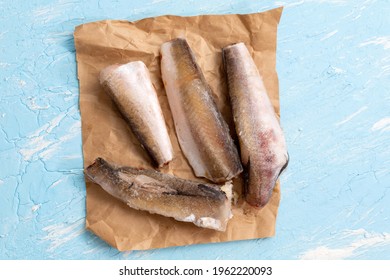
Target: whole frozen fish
x=202 y=132
x=262 y=144
x=205 y=205
x=131 y=89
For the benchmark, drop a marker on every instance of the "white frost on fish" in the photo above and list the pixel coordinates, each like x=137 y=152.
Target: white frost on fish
x=205 y=205
x=131 y=89
x=262 y=143
x=202 y=132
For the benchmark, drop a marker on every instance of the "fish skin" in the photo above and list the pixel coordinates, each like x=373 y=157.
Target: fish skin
x=201 y=130
x=262 y=144
x=131 y=89
x=205 y=205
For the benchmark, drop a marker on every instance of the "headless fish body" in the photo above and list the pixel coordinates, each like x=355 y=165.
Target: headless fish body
x=262 y=144
x=205 y=205
x=131 y=89
x=202 y=132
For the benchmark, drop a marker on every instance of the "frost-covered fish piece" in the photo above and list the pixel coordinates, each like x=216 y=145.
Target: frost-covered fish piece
x=202 y=132
x=205 y=205
x=262 y=144
x=131 y=89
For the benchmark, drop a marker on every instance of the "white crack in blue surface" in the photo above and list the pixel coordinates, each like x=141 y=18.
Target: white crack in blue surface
x=333 y=62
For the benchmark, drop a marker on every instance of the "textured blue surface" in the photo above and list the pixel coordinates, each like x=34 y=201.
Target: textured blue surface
x=333 y=62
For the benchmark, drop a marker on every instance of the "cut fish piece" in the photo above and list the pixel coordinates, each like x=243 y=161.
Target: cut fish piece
x=131 y=89
x=205 y=205
x=262 y=144
x=202 y=132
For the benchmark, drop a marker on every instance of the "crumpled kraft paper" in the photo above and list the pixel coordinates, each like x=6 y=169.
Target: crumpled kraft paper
x=105 y=134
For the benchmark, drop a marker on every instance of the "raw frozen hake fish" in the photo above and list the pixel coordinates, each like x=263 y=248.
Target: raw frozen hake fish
x=131 y=89
x=262 y=143
x=201 y=130
x=205 y=205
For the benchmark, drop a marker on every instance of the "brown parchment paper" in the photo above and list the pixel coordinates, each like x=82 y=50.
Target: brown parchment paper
x=105 y=134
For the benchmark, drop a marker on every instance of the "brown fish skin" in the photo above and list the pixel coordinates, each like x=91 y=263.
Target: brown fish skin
x=201 y=130
x=205 y=205
x=131 y=89
x=262 y=143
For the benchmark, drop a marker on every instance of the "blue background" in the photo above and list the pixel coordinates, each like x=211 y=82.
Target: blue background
x=333 y=62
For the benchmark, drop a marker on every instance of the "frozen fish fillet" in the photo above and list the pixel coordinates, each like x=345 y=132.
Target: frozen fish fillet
x=205 y=205
x=202 y=132
x=262 y=144
x=131 y=89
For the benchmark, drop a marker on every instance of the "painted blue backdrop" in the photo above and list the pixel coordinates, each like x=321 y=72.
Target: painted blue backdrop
x=333 y=61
